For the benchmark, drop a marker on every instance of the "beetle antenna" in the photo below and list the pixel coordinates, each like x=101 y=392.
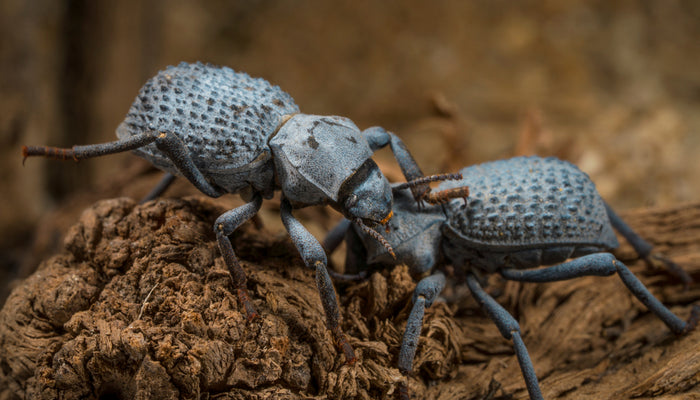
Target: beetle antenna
x=379 y=238
x=443 y=196
x=428 y=179
x=439 y=197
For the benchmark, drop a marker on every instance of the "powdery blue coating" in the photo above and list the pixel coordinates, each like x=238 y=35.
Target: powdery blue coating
x=525 y=212
x=521 y=213
x=315 y=155
x=415 y=233
x=224 y=117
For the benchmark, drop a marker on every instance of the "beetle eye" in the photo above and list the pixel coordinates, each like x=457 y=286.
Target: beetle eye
x=351 y=201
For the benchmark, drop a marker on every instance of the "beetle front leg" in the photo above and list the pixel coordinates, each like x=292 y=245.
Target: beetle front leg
x=427 y=290
x=314 y=257
x=355 y=264
x=510 y=329
x=225 y=225
x=379 y=137
x=336 y=235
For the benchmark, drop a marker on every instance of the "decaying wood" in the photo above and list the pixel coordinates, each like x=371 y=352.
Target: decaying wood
x=140 y=306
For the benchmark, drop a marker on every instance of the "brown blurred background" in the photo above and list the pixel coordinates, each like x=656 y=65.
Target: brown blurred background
x=613 y=86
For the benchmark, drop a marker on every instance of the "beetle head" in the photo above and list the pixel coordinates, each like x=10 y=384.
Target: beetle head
x=366 y=200
x=367 y=195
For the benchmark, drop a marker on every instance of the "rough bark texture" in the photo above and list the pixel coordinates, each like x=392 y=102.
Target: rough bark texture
x=140 y=305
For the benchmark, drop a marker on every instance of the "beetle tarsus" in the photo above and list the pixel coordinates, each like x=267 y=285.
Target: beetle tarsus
x=55 y=153
x=403 y=391
x=244 y=299
x=342 y=343
x=693 y=319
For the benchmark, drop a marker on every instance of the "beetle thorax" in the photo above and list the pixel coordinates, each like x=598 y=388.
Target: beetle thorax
x=314 y=156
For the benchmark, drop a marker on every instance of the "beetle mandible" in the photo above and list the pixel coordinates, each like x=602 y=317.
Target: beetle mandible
x=521 y=213
x=226 y=132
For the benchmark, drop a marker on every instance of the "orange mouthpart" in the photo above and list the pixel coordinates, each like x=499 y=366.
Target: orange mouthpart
x=387 y=218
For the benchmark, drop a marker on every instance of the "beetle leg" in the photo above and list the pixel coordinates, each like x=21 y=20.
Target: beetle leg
x=338 y=277
x=178 y=153
x=378 y=138
x=409 y=167
x=415 y=179
x=427 y=290
x=677 y=325
x=78 y=153
x=643 y=248
x=355 y=255
x=582 y=266
x=225 y=225
x=605 y=264
x=314 y=257
x=160 y=188
x=510 y=329
x=335 y=237
x=331 y=242
x=166 y=142
x=674 y=269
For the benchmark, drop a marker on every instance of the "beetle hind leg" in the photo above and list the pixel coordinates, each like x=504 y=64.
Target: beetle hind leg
x=677 y=325
x=510 y=329
x=644 y=248
x=604 y=264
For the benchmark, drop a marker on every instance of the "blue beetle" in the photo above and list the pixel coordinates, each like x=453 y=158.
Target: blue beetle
x=227 y=132
x=521 y=213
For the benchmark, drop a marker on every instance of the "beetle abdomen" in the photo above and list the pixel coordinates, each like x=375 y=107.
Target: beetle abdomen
x=224 y=117
x=528 y=203
x=491 y=258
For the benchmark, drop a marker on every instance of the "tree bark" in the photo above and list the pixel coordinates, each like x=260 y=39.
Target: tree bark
x=140 y=305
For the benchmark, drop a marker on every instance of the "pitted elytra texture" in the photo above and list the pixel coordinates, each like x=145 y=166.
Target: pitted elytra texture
x=224 y=117
x=530 y=200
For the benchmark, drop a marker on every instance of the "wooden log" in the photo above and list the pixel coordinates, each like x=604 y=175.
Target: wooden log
x=140 y=305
